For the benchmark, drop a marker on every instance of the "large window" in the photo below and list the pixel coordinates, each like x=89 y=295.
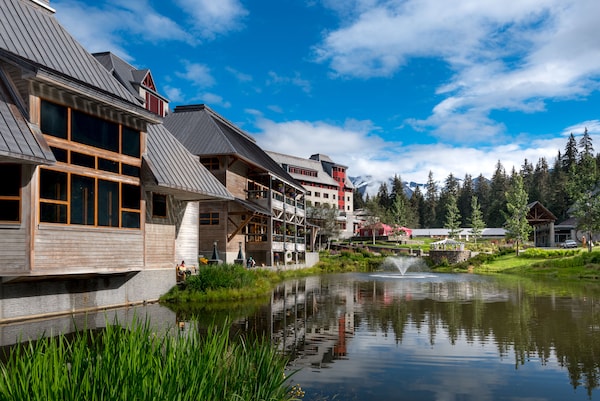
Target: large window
x=97 y=184
x=10 y=193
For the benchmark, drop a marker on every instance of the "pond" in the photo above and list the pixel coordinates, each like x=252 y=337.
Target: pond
x=427 y=336
x=413 y=336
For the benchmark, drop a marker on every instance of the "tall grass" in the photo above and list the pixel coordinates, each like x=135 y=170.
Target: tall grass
x=135 y=363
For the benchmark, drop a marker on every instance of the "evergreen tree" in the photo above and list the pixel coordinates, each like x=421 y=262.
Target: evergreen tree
x=483 y=193
x=527 y=174
x=517 y=226
x=466 y=192
x=569 y=159
x=560 y=201
x=476 y=221
x=498 y=188
x=383 y=197
x=357 y=199
x=431 y=200
x=451 y=187
x=417 y=203
x=585 y=145
x=584 y=189
x=541 y=190
x=453 y=218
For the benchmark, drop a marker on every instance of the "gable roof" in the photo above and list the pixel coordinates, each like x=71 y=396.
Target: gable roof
x=205 y=133
x=129 y=76
x=32 y=37
x=177 y=171
x=19 y=141
x=538 y=214
x=309 y=164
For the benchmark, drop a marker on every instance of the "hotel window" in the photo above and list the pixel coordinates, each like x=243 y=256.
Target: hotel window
x=159 y=205
x=10 y=193
x=97 y=185
x=209 y=219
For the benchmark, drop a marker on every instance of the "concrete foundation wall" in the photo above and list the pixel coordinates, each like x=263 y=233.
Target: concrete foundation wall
x=44 y=298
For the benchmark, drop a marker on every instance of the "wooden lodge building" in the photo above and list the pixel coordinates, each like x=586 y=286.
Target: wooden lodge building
x=98 y=201
x=267 y=217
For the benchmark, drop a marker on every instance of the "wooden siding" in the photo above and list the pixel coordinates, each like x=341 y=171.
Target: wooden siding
x=68 y=248
x=186 y=243
x=207 y=235
x=160 y=245
x=13 y=250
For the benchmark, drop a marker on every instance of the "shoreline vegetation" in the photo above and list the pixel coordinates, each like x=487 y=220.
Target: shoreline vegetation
x=136 y=363
x=216 y=284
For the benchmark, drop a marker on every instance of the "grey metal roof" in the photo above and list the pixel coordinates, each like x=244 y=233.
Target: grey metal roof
x=121 y=70
x=253 y=207
x=321 y=178
x=19 y=140
x=177 y=171
x=31 y=35
x=204 y=132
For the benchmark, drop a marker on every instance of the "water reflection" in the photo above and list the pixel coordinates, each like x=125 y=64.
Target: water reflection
x=422 y=336
x=434 y=337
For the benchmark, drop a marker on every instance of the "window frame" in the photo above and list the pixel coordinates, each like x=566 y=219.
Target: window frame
x=4 y=199
x=94 y=173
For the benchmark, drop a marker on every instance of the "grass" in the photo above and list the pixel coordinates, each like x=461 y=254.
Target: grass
x=565 y=264
x=222 y=284
x=135 y=363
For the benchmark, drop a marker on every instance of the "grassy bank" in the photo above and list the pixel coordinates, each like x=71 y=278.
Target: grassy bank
x=552 y=263
x=230 y=282
x=136 y=363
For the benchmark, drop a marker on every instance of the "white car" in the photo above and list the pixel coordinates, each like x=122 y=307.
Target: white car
x=569 y=244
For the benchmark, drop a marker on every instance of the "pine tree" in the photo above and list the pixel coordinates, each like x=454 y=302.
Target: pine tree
x=498 y=188
x=585 y=145
x=482 y=191
x=417 y=203
x=453 y=218
x=465 y=194
x=476 y=221
x=431 y=200
x=517 y=225
x=569 y=159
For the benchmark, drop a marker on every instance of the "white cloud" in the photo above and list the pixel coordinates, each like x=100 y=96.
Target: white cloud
x=197 y=74
x=211 y=18
x=295 y=80
x=502 y=58
x=102 y=28
x=356 y=145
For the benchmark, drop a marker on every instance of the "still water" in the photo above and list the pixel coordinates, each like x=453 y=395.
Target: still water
x=419 y=336
x=428 y=336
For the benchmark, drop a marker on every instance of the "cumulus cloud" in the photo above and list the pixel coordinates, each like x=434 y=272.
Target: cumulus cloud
x=357 y=145
x=101 y=28
x=502 y=58
x=211 y=18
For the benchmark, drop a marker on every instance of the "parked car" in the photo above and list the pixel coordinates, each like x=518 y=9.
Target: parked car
x=570 y=244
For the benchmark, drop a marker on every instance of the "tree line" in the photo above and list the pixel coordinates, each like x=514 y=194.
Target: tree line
x=568 y=186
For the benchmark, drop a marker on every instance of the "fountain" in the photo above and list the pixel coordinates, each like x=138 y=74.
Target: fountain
x=402 y=264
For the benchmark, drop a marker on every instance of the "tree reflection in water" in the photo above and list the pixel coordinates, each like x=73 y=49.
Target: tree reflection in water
x=333 y=326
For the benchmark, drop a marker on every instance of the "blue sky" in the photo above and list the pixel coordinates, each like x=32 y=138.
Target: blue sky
x=384 y=87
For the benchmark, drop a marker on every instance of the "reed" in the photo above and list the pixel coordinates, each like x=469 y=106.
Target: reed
x=135 y=363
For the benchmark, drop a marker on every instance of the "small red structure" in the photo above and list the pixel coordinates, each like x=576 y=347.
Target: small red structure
x=383 y=230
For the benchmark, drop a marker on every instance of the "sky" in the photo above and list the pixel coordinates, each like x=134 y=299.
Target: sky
x=386 y=88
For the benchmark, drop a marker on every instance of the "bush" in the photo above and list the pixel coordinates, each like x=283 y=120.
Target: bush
x=215 y=277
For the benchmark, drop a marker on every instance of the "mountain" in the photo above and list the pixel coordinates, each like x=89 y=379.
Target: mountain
x=368 y=185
